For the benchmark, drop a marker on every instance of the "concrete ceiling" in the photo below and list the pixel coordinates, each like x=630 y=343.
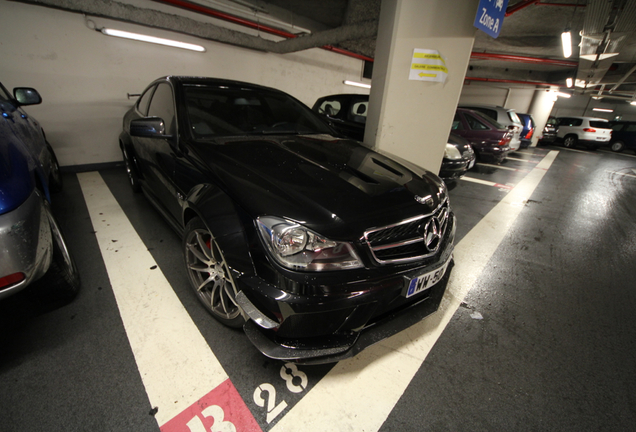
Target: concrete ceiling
x=528 y=49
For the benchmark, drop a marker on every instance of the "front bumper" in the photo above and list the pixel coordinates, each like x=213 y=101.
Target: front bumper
x=323 y=329
x=25 y=243
x=454 y=169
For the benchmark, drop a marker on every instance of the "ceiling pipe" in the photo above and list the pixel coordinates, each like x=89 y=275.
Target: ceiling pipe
x=520 y=5
x=525 y=3
x=194 y=7
x=523 y=59
x=507 y=81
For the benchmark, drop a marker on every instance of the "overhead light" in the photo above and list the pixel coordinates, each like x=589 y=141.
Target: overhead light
x=566 y=40
x=599 y=57
x=565 y=95
x=569 y=82
x=357 y=84
x=632 y=103
x=602 y=110
x=579 y=83
x=152 y=39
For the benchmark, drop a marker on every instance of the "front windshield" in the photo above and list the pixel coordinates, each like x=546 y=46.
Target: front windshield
x=221 y=110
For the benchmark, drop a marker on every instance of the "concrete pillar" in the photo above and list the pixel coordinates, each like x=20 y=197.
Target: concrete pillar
x=540 y=109
x=412 y=119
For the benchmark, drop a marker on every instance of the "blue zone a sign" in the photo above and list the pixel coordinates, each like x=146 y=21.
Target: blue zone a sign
x=490 y=16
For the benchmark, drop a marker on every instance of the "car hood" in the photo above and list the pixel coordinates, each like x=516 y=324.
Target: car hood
x=16 y=177
x=335 y=186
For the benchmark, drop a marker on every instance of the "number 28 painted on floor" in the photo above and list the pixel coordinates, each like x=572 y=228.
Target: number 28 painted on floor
x=288 y=372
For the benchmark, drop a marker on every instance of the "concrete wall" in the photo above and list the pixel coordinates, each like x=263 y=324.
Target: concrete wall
x=84 y=76
x=516 y=97
x=581 y=105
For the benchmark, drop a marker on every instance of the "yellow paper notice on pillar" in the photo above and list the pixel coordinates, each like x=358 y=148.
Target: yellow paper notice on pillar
x=428 y=65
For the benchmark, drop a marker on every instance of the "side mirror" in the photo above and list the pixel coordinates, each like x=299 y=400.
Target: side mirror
x=152 y=127
x=27 y=96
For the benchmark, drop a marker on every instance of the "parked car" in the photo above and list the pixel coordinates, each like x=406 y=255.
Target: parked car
x=549 y=131
x=459 y=157
x=623 y=136
x=505 y=116
x=309 y=242
x=347 y=115
x=528 y=129
x=590 y=132
x=34 y=253
x=489 y=139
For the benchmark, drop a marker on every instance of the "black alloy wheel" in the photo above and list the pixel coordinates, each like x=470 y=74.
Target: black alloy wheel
x=617 y=146
x=209 y=274
x=570 y=141
x=133 y=178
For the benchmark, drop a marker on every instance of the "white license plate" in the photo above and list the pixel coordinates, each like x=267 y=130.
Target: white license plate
x=425 y=281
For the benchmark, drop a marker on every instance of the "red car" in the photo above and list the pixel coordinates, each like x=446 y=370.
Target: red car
x=489 y=139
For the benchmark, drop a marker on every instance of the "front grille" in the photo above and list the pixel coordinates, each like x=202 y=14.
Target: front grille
x=410 y=240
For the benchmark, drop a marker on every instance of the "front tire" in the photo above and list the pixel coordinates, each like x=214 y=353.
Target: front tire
x=570 y=141
x=210 y=275
x=61 y=282
x=617 y=146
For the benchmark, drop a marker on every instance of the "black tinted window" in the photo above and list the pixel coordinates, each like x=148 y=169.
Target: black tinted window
x=600 y=124
x=489 y=112
x=457 y=123
x=162 y=106
x=567 y=121
x=475 y=124
x=223 y=110
x=631 y=127
x=142 y=103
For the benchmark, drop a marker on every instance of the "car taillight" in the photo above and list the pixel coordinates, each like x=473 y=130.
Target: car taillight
x=505 y=140
x=589 y=130
x=12 y=279
x=530 y=132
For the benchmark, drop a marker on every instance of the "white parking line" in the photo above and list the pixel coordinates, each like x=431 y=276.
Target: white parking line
x=502 y=167
x=358 y=394
x=175 y=362
x=521 y=160
x=485 y=182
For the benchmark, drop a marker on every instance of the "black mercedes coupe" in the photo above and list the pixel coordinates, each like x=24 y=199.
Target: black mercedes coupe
x=316 y=245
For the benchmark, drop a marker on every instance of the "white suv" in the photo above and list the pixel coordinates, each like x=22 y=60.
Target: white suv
x=588 y=131
x=506 y=116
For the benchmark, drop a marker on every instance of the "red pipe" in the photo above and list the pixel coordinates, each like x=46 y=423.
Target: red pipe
x=522 y=59
x=520 y=5
x=508 y=81
x=251 y=24
x=525 y=3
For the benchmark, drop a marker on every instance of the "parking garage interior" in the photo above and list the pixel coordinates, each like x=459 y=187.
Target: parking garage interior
x=534 y=329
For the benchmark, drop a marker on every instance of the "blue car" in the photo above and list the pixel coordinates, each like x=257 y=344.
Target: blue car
x=32 y=250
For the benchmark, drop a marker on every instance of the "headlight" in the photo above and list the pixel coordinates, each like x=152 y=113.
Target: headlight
x=298 y=248
x=452 y=153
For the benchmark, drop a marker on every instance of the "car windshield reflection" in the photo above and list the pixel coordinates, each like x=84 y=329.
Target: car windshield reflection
x=215 y=111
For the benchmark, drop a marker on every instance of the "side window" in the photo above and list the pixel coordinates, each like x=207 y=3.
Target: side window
x=358 y=112
x=489 y=112
x=162 y=106
x=600 y=124
x=330 y=107
x=142 y=103
x=618 y=127
x=631 y=127
x=475 y=124
x=457 y=123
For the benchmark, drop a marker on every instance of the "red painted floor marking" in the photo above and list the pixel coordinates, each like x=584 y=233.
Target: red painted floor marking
x=222 y=409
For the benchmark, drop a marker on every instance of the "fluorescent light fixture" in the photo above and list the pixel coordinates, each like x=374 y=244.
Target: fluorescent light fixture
x=566 y=40
x=632 y=103
x=357 y=84
x=580 y=83
x=152 y=39
x=569 y=82
x=599 y=57
x=602 y=110
x=565 y=95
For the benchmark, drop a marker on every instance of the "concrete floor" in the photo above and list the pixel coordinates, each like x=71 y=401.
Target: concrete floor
x=542 y=340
